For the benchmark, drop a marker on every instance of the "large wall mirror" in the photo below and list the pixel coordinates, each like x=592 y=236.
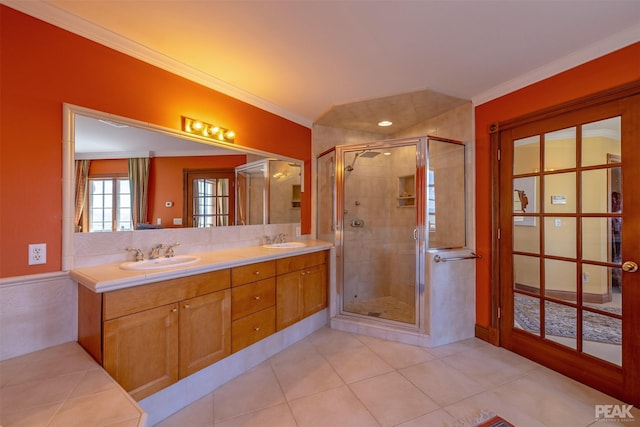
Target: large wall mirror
x=191 y=181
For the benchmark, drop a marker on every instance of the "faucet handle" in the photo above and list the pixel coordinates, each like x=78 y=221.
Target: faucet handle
x=170 y=247
x=268 y=240
x=139 y=254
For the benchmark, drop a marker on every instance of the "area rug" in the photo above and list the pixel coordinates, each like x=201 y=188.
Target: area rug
x=561 y=321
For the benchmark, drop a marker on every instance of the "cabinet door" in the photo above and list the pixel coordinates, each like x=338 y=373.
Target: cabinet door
x=205 y=325
x=288 y=299
x=141 y=350
x=314 y=289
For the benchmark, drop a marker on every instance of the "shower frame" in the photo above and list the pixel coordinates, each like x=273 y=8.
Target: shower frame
x=420 y=232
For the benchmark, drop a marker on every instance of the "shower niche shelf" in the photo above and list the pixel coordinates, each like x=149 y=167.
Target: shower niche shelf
x=406 y=191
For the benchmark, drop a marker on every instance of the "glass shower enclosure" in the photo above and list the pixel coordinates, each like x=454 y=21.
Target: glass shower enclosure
x=384 y=204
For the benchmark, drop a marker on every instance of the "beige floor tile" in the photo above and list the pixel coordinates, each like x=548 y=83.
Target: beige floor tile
x=54 y=361
x=442 y=383
x=489 y=367
x=37 y=393
x=488 y=401
x=537 y=399
x=392 y=399
x=456 y=347
x=198 y=414
x=306 y=377
x=398 y=355
x=357 y=364
x=257 y=389
x=438 y=418
x=31 y=417
x=328 y=341
x=279 y=416
x=93 y=382
x=109 y=406
x=338 y=407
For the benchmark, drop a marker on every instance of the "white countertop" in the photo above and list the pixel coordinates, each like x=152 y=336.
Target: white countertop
x=109 y=277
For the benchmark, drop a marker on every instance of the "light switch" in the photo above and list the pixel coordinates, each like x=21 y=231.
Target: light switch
x=558 y=223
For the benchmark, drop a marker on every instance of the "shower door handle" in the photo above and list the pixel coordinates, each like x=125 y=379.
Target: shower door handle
x=415 y=234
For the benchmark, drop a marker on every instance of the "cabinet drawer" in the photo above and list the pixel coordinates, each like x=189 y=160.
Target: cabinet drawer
x=252 y=328
x=248 y=299
x=252 y=272
x=132 y=300
x=294 y=263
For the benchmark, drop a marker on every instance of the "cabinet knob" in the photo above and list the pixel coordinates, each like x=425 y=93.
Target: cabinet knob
x=187 y=306
x=173 y=310
x=257 y=273
x=257 y=297
x=257 y=328
x=304 y=273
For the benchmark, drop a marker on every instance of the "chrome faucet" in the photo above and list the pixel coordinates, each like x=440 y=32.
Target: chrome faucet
x=280 y=238
x=155 y=251
x=139 y=254
x=169 y=253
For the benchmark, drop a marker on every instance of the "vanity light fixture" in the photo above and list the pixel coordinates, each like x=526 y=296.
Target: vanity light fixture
x=385 y=123
x=198 y=127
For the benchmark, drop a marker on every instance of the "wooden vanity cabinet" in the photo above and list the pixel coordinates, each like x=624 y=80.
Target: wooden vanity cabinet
x=148 y=337
x=253 y=301
x=155 y=334
x=301 y=287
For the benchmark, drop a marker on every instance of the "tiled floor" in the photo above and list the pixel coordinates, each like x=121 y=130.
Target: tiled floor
x=63 y=386
x=334 y=378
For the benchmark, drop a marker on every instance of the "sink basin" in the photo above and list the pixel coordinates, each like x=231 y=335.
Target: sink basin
x=159 y=263
x=285 y=245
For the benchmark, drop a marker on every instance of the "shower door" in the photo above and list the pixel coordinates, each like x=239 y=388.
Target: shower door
x=378 y=228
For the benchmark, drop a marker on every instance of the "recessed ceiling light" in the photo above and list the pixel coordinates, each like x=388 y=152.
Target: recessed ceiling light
x=386 y=153
x=385 y=123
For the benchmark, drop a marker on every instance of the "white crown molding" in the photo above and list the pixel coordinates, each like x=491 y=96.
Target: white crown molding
x=60 y=18
x=591 y=52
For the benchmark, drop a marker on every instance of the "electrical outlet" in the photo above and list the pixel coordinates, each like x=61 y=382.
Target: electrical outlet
x=37 y=253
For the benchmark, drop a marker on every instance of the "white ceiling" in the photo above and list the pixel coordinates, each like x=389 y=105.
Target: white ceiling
x=300 y=58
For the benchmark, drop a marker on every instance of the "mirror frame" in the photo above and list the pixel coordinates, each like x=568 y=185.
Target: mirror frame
x=69 y=112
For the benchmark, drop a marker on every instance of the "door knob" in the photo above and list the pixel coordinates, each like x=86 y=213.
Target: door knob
x=630 y=266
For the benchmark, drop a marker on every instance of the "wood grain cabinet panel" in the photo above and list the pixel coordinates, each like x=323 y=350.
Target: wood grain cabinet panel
x=141 y=350
x=148 y=337
x=251 y=329
x=252 y=272
x=314 y=289
x=204 y=331
x=253 y=297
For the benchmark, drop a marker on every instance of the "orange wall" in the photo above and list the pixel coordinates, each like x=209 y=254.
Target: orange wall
x=614 y=69
x=41 y=67
x=166 y=182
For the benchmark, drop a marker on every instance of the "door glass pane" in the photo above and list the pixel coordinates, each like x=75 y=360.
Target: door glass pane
x=526 y=273
x=560 y=193
x=526 y=238
x=602 y=336
x=560 y=323
x=601 y=142
x=446 y=177
x=595 y=194
x=526 y=155
x=560 y=237
x=526 y=313
x=560 y=279
x=525 y=201
x=601 y=239
x=378 y=246
x=560 y=149
x=601 y=288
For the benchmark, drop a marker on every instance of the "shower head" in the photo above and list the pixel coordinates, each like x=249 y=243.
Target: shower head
x=369 y=154
x=365 y=153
